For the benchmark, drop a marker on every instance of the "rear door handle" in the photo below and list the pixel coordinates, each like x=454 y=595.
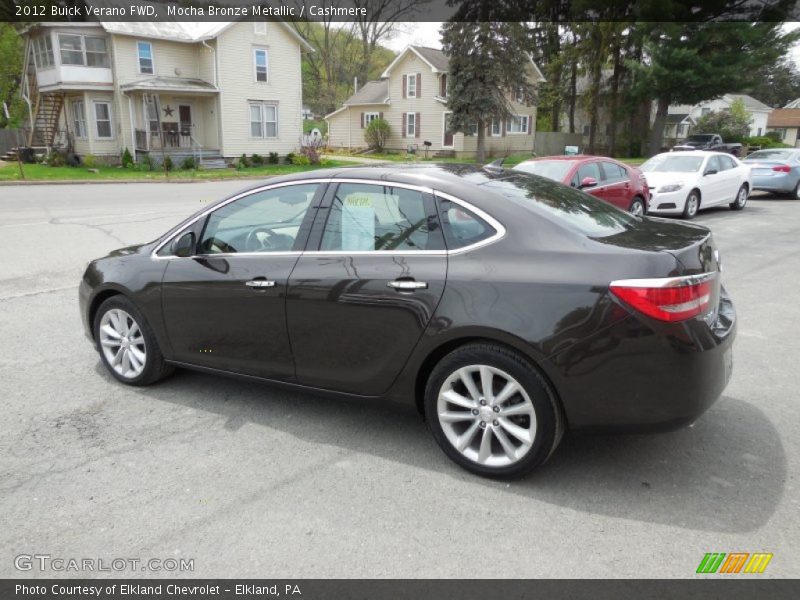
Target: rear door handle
x=260 y=283
x=407 y=284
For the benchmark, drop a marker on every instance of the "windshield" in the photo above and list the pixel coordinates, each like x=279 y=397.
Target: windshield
x=665 y=163
x=552 y=169
x=771 y=155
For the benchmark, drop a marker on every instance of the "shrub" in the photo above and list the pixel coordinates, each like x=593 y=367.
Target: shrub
x=290 y=158
x=145 y=162
x=765 y=141
x=243 y=162
x=273 y=158
x=89 y=161
x=311 y=148
x=56 y=159
x=775 y=136
x=257 y=160
x=188 y=163
x=127 y=159
x=301 y=159
x=377 y=133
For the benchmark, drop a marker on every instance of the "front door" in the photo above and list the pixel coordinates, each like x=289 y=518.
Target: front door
x=359 y=303
x=447 y=138
x=185 y=117
x=225 y=307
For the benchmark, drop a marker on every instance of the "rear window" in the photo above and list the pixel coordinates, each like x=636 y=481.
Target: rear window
x=771 y=155
x=568 y=207
x=552 y=169
x=461 y=226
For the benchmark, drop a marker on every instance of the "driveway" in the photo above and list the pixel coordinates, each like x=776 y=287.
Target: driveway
x=247 y=480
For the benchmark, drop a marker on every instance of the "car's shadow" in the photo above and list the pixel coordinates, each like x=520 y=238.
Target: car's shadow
x=726 y=473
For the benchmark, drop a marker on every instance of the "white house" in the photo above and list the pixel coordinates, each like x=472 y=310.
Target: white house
x=412 y=96
x=691 y=113
x=208 y=89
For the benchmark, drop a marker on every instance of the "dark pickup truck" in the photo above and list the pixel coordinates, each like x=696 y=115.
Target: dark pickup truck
x=708 y=141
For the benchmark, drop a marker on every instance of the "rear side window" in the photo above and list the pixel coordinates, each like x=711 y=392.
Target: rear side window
x=462 y=227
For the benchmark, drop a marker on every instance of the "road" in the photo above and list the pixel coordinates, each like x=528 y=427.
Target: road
x=251 y=481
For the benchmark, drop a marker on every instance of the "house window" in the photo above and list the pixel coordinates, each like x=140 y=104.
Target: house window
x=681 y=130
x=263 y=120
x=102 y=119
x=261 y=64
x=43 y=52
x=758 y=133
x=411 y=124
x=151 y=107
x=704 y=111
x=260 y=27
x=496 y=127
x=411 y=86
x=520 y=95
x=517 y=124
x=782 y=132
x=84 y=51
x=145 y=52
x=78 y=119
x=370 y=116
x=473 y=128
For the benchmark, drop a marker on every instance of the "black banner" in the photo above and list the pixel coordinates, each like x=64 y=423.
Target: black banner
x=727 y=588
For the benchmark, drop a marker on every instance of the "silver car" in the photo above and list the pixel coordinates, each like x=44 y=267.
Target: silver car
x=776 y=170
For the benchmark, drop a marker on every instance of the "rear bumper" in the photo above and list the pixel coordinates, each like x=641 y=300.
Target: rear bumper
x=638 y=377
x=775 y=183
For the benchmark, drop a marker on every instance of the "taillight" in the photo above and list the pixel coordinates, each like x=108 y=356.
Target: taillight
x=668 y=299
x=782 y=168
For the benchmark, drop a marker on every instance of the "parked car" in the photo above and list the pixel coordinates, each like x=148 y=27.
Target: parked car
x=681 y=183
x=605 y=178
x=708 y=141
x=776 y=170
x=504 y=306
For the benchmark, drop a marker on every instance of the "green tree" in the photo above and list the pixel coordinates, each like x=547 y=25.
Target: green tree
x=481 y=75
x=776 y=85
x=733 y=124
x=11 y=55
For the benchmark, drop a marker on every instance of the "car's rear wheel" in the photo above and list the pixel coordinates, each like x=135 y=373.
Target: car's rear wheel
x=692 y=205
x=637 y=206
x=741 y=199
x=128 y=348
x=795 y=194
x=491 y=412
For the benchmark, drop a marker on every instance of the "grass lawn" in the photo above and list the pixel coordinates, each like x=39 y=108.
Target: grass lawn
x=36 y=172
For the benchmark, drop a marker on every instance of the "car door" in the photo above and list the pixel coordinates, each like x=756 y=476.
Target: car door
x=733 y=176
x=225 y=306
x=712 y=183
x=617 y=185
x=592 y=170
x=359 y=302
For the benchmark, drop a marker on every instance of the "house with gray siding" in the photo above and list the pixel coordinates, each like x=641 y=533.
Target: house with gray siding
x=205 y=89
x=411 y=96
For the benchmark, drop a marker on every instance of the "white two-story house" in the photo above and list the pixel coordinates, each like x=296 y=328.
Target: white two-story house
x=208 y=89
x=412 y=97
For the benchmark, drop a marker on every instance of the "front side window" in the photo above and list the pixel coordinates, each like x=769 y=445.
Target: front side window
x=613 y=172
x=71 y=49
x=591 y=170
x=145 y=53
x=261 y=64
x=266 y=221
x=365 y=217
x=102 y=117
x=461 y=226
x=726 y=162
x=518 y=124
x=78 y=119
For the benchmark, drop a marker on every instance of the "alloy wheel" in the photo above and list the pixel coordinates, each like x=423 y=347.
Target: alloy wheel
x=122 y=343
x=637 y=208
x=691 y=205
x=486 y=415
x=741 y=198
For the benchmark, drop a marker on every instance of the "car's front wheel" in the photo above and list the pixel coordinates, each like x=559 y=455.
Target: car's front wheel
x=491 y=412
x=128 y=348
x=692 y=205
x=740 y=200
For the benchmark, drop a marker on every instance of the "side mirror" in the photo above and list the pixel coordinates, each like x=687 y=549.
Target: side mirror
x=710 y=172
x=587 y=182
x=184 y=245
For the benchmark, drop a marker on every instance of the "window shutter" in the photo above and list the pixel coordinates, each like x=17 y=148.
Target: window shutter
x=443 y=85
x=416 y=127
x=405 y=84
x=530 y=118
x=419 y=85
x=404 y=115
x=362 y=120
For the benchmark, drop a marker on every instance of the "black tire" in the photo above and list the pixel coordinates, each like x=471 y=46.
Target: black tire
x=741 y=200
x=688 y=211
x=795 y=193
x=638 y=200
x=549 y=419
x=155 y=368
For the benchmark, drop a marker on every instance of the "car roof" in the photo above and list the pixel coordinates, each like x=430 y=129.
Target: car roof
x=693 y=153
x=570 y=157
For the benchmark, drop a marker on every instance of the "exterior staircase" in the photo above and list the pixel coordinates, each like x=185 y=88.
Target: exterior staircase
x=47 y=113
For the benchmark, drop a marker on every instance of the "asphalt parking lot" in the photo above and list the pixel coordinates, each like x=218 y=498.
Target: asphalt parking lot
x=250 y=481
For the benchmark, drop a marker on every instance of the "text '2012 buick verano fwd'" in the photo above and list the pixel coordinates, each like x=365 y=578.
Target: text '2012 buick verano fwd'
x=505 y=306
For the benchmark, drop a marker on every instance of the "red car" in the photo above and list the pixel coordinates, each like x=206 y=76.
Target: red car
x=621 y=185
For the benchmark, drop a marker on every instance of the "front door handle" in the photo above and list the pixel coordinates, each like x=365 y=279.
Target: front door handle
x=407 y=284
x=260 y=283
